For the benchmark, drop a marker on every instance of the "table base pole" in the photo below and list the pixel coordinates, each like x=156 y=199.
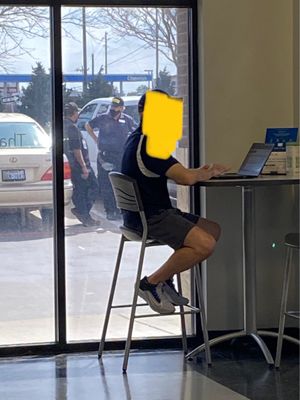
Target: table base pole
x=235 y=335
x=214 y=341
x=263 y=348
x=275 y=334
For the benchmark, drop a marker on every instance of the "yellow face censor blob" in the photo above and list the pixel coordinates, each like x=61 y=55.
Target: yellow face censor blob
x=162 y=124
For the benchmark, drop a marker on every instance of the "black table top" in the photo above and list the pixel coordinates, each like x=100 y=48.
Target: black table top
x=262 y=180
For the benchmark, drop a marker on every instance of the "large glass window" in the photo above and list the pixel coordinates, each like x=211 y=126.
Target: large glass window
x=106 y=52
x=26 y=198
x=117 y=52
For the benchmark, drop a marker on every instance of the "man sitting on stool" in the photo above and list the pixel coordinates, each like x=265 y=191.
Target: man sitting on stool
x=193 y=238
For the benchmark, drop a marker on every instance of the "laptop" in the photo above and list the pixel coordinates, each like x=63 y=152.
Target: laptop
x=253 y=163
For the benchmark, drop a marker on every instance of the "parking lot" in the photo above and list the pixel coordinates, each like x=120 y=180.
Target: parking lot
x=27 y=280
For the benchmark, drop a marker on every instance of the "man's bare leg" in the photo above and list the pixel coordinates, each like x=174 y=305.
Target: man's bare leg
x=210 y=227
x=198 y=245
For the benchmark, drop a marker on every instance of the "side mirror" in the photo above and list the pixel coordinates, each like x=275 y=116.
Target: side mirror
x=81 y=125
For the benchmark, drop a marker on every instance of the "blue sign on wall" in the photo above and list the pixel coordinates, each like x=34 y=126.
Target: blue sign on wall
x=281 y=136
x=80 y=78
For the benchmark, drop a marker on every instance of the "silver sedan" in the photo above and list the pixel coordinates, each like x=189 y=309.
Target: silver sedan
x=26 y=166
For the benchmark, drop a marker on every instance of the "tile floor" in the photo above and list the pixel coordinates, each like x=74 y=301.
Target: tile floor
x=236 y=374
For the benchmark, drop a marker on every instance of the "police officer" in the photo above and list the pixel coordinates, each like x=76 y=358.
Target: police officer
x=114 y=127
x=85 y=186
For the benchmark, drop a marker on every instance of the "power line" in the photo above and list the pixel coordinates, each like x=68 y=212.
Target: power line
x=139 y=59
x=124 y=42
x=145 y=46
x=132 y=52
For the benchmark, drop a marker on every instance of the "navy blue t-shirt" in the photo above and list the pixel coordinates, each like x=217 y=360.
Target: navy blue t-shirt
x=149 y=172
x=112 y=133
x=73 y=140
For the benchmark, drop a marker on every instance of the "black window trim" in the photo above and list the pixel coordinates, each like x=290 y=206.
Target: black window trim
x=61 y=345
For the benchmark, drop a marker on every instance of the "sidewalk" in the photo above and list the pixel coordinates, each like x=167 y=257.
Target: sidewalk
x=27 y=282
x=95 y=287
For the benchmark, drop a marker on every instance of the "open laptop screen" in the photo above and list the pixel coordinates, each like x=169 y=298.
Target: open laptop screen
x=255 y=159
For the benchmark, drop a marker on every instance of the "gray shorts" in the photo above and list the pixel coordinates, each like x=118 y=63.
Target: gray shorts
x=171 y=227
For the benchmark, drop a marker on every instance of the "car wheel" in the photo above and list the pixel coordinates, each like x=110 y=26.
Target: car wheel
x=47 y=216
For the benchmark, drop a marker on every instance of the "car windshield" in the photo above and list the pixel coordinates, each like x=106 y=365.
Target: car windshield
x=132 y=110
x=22 y=135
x=85 y=115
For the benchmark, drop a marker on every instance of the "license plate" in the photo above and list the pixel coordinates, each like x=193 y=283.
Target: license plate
x=13 y=175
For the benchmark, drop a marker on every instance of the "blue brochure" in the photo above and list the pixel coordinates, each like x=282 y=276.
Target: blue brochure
x=281 y=136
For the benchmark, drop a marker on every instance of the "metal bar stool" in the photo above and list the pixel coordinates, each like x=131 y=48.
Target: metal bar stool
x=292 y=244
x=128 y=198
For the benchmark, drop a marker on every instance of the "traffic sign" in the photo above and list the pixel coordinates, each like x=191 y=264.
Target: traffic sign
x=10 y=99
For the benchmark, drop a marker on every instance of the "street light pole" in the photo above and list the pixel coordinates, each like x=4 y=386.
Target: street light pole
x=105 y=53
x=156 y=44
x=84 y=50
x=151 y=73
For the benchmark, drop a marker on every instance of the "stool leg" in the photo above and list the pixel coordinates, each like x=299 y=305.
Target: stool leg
x=111 y=296
x=182 y=319
x=202 y=313
x=134 y=301
x=284 y=298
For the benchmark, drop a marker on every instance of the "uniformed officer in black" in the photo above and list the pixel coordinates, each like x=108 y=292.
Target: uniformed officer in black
x=114 y=127
x=85 y=186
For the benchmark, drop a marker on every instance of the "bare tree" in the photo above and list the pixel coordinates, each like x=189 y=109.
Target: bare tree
x=141 y=23
x=17 y=24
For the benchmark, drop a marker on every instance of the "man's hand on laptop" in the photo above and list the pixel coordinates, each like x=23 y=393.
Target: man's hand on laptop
x=209 y=171
x=190 y=176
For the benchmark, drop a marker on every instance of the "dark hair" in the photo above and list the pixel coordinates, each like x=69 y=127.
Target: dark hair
x=142 y=100
x=70 y=108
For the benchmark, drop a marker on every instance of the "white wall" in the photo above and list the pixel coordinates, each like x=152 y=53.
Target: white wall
x=249 y=81
x=248 y=67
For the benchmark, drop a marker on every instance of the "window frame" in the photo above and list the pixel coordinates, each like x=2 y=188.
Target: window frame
x=60 y=344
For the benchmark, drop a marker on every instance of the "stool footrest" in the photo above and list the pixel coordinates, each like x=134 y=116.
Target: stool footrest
x=196 y=309
x=129 y=305
x=293 y=314
x=193 y=309
x=167 y=315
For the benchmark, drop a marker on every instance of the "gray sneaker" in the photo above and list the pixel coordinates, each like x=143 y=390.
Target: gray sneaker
x=155 y=297
x=172 y=295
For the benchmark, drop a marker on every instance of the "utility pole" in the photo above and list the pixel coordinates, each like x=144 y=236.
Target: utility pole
x=105 y=53
x=156 y=44
x=84 y=55
x=150 y=71
x=93 y=65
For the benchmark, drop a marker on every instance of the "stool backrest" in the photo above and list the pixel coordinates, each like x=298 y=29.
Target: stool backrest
x=126 y=192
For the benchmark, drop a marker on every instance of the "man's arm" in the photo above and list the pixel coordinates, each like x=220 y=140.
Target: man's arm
x=190 y=176
x=79 y=158
x=74 y=144
x=131 y=123
x=91 y=132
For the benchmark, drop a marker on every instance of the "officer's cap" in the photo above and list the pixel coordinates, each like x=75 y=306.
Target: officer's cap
x=117 y=102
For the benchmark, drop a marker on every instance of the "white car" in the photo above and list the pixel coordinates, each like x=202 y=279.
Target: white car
x=26 y=166
x=99 y=106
